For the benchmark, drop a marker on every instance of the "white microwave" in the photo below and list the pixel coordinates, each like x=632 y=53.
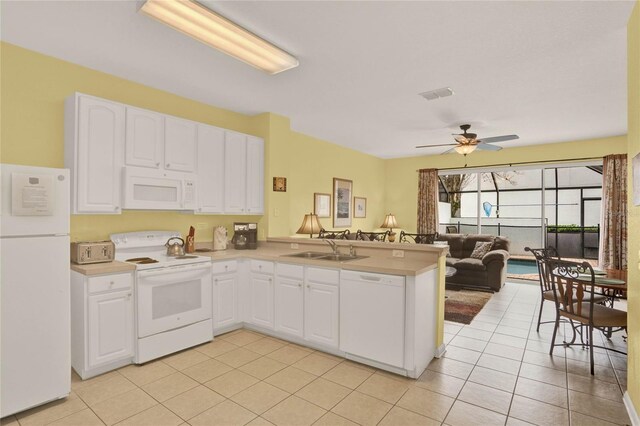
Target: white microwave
x=152 y=189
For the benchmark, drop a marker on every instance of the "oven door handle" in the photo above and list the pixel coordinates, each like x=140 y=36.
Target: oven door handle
x=171 y=274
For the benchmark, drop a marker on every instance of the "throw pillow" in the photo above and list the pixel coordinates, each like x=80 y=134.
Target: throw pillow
x=481 y=249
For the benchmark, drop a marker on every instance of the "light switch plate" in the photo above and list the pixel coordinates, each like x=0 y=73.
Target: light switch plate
x=398 y=253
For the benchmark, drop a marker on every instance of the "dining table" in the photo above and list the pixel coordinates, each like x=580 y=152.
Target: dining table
x=611 y=282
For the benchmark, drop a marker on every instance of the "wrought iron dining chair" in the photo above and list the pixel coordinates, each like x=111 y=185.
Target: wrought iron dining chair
x=574 y=284
x=334 y=235
x=546 y=289
x=405 y=237
x=372 y=236
x=451 y=229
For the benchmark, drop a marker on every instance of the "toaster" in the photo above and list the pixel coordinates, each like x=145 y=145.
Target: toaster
x=92 y=252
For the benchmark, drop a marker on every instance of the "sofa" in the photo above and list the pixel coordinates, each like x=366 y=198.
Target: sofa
x=489 y=272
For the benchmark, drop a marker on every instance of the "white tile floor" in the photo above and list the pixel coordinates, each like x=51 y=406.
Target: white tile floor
x=496 y=371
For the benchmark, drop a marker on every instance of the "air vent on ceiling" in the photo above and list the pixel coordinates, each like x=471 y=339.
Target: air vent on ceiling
x=437 y=94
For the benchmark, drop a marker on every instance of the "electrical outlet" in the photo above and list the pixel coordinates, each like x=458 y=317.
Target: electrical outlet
x=201 y=226
x=398 y=253
x=294 y=245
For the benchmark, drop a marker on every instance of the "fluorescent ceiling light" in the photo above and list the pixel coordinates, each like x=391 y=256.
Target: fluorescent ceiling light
x=217 y=31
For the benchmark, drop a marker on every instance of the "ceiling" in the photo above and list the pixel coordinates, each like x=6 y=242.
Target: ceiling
x=547 y=71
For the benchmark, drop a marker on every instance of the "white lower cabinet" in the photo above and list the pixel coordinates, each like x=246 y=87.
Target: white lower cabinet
x=289 y=299
x=225 y=295
x=102 y=323
x=110 y=327
x=261 y=292
x=321 y=306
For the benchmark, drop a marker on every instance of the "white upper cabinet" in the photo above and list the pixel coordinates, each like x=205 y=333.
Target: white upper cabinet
x=179 y=144
x=255 y=175
x=144 y=138
x=104 y=137
x=94 y=151
x=235 y=172
x=210 y=169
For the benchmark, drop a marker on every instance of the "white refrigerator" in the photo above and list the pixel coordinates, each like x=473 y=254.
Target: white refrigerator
x=34 y=283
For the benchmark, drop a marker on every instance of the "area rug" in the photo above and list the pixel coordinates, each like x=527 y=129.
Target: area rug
x=463 y=305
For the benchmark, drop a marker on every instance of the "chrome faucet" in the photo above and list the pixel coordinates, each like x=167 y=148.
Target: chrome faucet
x=333 y=245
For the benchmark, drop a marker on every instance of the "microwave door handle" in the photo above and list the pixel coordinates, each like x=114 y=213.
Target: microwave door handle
x=183 y=195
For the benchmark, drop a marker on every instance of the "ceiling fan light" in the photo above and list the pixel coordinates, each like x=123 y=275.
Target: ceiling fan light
x=220 y=33
x=465 y=149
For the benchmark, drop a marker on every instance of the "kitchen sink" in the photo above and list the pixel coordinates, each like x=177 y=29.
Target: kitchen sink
x=307 y=254
x=340 y=257
x=325 y=256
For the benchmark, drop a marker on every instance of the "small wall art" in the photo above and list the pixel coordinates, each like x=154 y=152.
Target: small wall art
x=322 y=204
x=359 y=207
x=280 y=184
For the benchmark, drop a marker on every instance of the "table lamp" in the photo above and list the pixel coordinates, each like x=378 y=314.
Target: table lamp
x=390 y=222
x=310 y=225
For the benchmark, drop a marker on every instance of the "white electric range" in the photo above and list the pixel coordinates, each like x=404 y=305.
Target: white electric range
x=172 y=294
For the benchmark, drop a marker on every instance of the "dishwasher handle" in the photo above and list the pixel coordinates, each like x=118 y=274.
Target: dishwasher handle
x=370 y=278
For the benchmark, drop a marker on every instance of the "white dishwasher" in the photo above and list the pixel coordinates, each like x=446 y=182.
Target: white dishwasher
x=372 y=316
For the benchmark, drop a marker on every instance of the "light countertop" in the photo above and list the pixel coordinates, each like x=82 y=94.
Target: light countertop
x=418 y=258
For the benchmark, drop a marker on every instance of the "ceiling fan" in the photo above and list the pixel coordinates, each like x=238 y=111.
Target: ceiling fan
x=469 y=142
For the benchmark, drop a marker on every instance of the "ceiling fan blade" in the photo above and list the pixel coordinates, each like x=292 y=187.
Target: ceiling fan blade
x=449 y=151
x=431 y=146
x=487 y=147
x=500 y=138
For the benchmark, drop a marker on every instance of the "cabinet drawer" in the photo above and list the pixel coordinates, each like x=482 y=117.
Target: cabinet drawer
x=109 y=282
x=327 y=276
x=262 y=266
x=225 y=266
x=292 y=271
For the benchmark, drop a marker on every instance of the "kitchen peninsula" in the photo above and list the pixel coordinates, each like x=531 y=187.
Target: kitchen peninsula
x=383 y=308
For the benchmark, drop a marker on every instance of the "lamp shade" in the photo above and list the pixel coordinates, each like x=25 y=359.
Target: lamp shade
x=465 y=149
x=389 y=222
x=310 y=225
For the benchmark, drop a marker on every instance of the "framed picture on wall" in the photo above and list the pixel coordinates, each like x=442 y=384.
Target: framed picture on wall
x=635 y=165
x=359 y=207
x=322 y=204
x=342 y=207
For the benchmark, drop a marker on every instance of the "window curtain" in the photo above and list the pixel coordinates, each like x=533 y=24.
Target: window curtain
x=428 y=201
x=613 y=219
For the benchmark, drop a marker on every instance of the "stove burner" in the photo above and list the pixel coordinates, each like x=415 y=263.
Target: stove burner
x=141 y=260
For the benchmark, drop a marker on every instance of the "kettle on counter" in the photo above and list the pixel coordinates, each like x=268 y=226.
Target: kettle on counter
x=176 y=248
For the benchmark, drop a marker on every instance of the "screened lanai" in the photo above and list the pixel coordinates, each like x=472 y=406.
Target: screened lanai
x=556 y=206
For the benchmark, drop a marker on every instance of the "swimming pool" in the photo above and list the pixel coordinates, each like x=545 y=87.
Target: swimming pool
x=521 y=267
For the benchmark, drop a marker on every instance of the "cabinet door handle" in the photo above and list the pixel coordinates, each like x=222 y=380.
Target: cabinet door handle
x=158 y=164
x=300 y=285
x=116 y=208
x=308 y=286
x=226 y=267
x=111 y=283
x=216 y=281
x=168 y=165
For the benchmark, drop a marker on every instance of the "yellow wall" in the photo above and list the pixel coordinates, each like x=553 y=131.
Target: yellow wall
x=633 y=63
x=34 y=87
x=402 y=179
